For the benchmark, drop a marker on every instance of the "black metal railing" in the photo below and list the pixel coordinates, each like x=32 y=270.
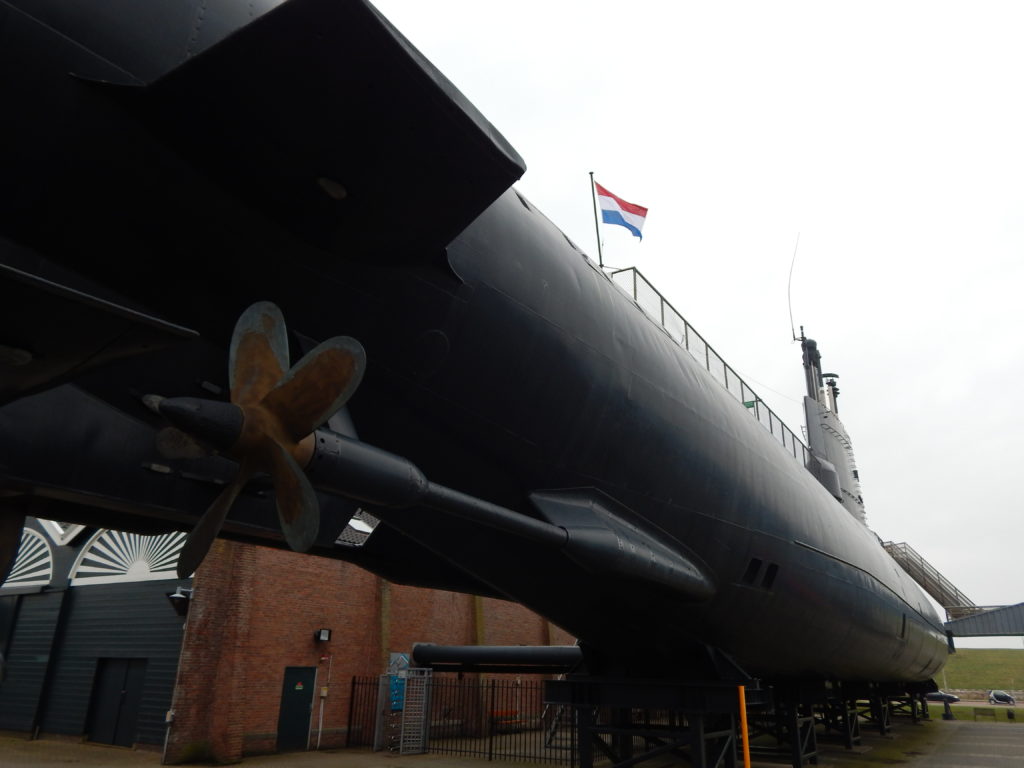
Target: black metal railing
x=660 y=311
x=494 y=719
x=945 y=593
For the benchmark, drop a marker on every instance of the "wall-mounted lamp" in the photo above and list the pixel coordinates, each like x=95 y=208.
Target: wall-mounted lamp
x=180 y=599
x=322 y=635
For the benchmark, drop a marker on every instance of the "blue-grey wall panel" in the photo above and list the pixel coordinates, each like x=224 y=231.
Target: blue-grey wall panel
x=116 y=621
x=28 y=655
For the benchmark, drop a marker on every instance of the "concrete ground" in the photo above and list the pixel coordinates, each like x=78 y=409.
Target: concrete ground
x=936 y=744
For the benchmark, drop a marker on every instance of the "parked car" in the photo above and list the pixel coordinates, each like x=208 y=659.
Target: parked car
x=949 y=698
x=1000 y=697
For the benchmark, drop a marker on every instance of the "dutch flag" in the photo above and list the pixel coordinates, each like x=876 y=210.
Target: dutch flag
x=615 y=210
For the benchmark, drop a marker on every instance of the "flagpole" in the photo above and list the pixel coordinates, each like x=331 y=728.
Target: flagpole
x=597 y=226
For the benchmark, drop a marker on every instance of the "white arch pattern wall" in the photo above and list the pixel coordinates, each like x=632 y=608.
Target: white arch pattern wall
x=111 y=557
x=33 y=567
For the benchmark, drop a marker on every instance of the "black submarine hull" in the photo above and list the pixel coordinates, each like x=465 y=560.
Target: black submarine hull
x=501 y=361
x=588 y=392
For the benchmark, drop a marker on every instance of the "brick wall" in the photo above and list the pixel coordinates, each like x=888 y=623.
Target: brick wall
x=254 y=612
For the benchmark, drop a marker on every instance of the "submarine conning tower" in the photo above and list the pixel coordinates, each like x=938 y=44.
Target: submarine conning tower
x=831 y=453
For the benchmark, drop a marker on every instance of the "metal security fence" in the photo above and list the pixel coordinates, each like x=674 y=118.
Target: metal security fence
x=499 y=719
x=655 y=306
x=493 y=719
x=362 y=712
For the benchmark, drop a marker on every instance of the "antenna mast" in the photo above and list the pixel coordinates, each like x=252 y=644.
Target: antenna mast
x=789 y=291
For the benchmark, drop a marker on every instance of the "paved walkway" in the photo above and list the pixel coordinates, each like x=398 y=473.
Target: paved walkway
x=936 y=744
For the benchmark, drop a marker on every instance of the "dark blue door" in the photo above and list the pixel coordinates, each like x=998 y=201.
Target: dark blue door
x=296 y=707
x=115 y=701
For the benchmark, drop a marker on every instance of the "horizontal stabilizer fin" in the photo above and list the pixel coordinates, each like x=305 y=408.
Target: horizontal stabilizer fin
x=402 y=560
x=602 y=541
x=325 y=117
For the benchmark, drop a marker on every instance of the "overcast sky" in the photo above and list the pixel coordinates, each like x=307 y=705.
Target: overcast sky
x=888 y=135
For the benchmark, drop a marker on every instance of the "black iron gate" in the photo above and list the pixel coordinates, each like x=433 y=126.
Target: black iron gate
x=494 y=719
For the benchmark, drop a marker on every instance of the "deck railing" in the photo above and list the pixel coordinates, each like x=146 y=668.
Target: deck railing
x=658 y=309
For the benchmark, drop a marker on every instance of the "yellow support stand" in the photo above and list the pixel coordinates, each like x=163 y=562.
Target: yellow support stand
x=743 y=726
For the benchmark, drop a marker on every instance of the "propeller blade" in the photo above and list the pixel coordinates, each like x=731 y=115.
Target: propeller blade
x=172 y=443
x=200 y=538
x=297 y=507
x=259 y=353
x=317 y=386
x=270 y=412
x=212 y=422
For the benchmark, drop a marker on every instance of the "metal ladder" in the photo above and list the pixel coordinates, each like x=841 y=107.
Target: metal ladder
x=415 y=724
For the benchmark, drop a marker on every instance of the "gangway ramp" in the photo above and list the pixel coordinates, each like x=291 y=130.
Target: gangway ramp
x=942 y=590
x=990 y=621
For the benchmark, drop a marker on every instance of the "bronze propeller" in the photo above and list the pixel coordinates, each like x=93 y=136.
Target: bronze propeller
x=268 y=424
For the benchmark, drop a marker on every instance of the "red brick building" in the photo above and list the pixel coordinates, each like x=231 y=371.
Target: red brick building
x=254 y=613
x=94 y=650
